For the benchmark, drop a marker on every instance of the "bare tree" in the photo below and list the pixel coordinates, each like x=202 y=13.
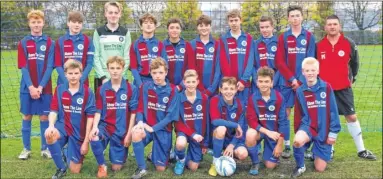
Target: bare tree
x=364 y=14
x=142 y=7
x=218 y=15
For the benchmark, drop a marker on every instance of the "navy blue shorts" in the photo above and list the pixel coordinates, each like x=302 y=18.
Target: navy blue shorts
x=194 y=152
x=29 y=106
x=117 y=151
x=162 y=143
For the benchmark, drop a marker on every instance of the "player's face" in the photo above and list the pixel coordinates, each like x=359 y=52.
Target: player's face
x=228 y=91
x=332 y=27
x=295 y=18
x=115 y=70
x=74 y=27
x=310 y=72
x=73 y=75
x=191 y=83
x=112 y=14
x=234 y=23
x=204 y=29
x=266 y=29
x=264 y=83
x=148 y=26
x=159 y=75
x=36 y=25
x=174 y=30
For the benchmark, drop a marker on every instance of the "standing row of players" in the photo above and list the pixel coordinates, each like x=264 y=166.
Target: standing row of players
x=235 y=54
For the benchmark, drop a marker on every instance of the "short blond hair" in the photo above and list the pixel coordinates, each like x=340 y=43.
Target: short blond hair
x=35 y=14
x=229 y=80
x=72 y=64
x=310 y=61
x=147 y=16
x=115 y=59
x=233 y=14
x=157 y=63
x=113 y=3
x=190 y=73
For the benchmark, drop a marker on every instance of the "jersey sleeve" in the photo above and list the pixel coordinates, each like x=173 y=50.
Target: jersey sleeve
x=55 y=102
x=280 y=60
x=97 y=55
x=89 y=60
x=172 y=113
x=50 y=64
x=128 y=41
x=90 y=107
x=251 y=115
x=140 y=107
x=334 y=116
x=133 y=102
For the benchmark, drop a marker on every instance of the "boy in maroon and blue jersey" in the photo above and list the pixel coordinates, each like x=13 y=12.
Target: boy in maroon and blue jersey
x=70 y=120
x=116 y=103
x=293 y=46
x=74 y=45
x=316 y=118
x=146 y=48
x=179 y=53
x=236 y=54
x=157 y=109
x=266 y=47
x=266 y=116
x=227 y=114
x=193 y=128
x=35 y=55
x=207 y=63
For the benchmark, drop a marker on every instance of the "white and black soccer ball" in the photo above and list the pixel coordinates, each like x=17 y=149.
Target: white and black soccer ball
x=225 y=166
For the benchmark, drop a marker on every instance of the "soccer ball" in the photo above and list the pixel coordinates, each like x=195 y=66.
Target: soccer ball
x=225 y=166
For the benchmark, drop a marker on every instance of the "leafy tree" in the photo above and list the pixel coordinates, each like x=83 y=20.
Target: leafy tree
x=187 y=11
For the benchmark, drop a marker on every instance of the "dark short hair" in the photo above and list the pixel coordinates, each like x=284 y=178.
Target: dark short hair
x=174 y=20
x=267 y=18
x=293 y=8
x=333 y=17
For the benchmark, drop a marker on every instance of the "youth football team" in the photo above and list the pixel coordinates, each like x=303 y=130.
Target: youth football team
x=225 y=95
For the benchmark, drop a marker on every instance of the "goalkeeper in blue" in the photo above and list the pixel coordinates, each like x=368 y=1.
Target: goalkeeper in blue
x=316 y=119
x=35 y=56
x=266 y=116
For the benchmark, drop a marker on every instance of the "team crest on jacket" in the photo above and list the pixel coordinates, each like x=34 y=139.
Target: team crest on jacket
x=199 y=107
x=323 y=94
x=80 y=46
x=341 y=53
x=155 y=49
x=323 y=55
x=303 y=41
x=43 y=48
x=123 y=97
x=121 y=39
x=274 y=48
x=182 y=50
x=233 y=115
x=271 y=108
x=80 y=101
x=244 y=43
x=165 y=99
x=211 y=49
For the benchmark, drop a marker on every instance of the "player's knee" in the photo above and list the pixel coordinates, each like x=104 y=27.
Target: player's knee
x=220 y=132
x=160 y=168
x=251 y=137
x=27 y=117
x=351 y=118
x=242 y=154
x=137 y=135
x=270 y=165
x=74 y=168
x=320 y=167
x=193 y=167
x=116 y=167
x=44 y=118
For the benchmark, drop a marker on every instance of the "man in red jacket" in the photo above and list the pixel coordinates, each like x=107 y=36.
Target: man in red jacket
x=339 y=63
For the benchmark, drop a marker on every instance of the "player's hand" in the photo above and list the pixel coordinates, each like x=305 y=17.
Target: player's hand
x=330 y=140
x=204 y=150
x=229 y=151
x=197 y=137
x=148 y=128
x=84 y=148
x=294 y=84
x=40 y=89
x=128 y=139
x=238 y=132
x=93 y=133
x=277 y=151
x=34 y=92
x=273 y=135
x=104 y=81
x=50 y=132
x=240 y=86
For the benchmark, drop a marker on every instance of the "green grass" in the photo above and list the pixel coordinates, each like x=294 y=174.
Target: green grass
x=346 y=164
x=367 y=91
